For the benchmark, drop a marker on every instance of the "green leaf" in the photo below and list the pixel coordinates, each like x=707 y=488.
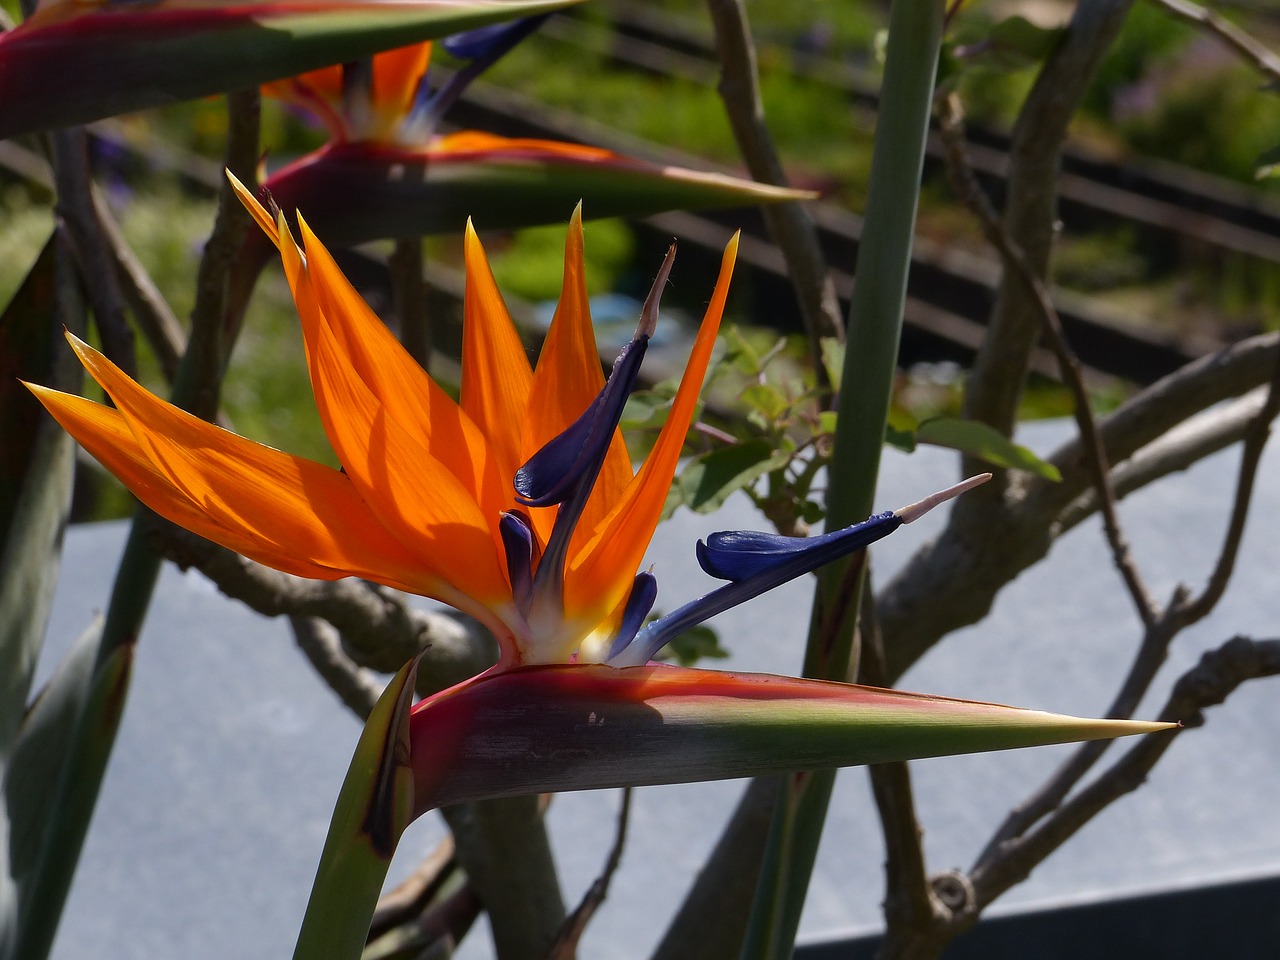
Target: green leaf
x=372 y=811
x=32 y=784
x=708 y=480
x=765 y=399
x=36 y=467
x=740 y=353
x=1016 y=44
x=904 y=440
x=833 y=360
x=696 y=643
x=1268 y=164
x=51 y=795
x=130 y=56
x=985 y=443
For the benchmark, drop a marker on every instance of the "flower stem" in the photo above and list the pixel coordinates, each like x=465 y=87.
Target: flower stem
x=874 y=329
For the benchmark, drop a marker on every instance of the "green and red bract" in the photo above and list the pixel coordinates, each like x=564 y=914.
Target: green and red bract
x=356 y=192
x=75 y=62
x=560 y=727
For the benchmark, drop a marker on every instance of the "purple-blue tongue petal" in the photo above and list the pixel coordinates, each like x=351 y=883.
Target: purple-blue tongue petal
x=644 y=590
x=517 y=539
x=495 y=38
x=551 y=475
x=739 y=554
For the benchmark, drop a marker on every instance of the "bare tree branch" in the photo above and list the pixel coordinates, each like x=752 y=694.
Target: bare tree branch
x=953 y=581
x=1262 y=59
x=379 y=629
x=76 y=209
x=1030 y=213
x=576 y=923
x=1209 y=683
x=414 y=894
x=161 y=328
x=209 y=345
x=320 y=642
x=503 y=846
x=1255 y=442
x=1181 y=448
x=410 y=289
x=966 y=185
x=789 y=225
x=913 y=913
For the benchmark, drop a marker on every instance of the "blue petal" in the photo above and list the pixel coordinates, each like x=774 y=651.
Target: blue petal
x=517 y=539
x=739 y=554
x=551 y=475
x=754 y=563
x=496 y=38
x=644 y=590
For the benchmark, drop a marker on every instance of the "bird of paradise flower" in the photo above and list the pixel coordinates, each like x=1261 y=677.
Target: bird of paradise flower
x=517 y=505
x=388 y=170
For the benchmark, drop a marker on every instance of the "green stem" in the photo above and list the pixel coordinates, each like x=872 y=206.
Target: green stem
x=874 y=330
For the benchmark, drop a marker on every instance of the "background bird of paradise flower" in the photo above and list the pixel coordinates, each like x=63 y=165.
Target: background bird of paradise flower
x=387 y=175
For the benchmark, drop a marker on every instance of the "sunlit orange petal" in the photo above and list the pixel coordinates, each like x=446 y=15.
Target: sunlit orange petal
x=393 y=377
x=415 y=496
x=568 y=378
x=496 y=375
x=104 y=434
x=286 y=511
x=600 y=573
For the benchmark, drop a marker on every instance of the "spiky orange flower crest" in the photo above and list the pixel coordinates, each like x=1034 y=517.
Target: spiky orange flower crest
x=425 y=481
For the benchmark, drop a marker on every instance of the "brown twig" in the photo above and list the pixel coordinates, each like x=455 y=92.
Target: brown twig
x=410 y=288
x=209 y=346
x=911 y=909
x=322 y=646
x=575 y=924
x=1255 y=442
x=407 y=901
x=971 y=194
x=163 y=332
x=379 y=629
x=1262 y=59
x=1181 y=612
x=1209 y=683
x=1209 y=433
x=76 y=210
x=789 y=225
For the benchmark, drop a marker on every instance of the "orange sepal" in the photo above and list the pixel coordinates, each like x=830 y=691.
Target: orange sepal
x=600 y=572
x=568 y=378
x=409 y=396
x=496 y=375
x=286 y=511
x=412 y=493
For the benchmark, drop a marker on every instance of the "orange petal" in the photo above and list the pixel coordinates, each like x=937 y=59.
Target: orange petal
x=568 y=378
x=409 y=396
x=396 y=77
x=256 y=210
x=285 y=511
x=600 y=573
x=496 y=376
x=318 y=92
x=412 y=493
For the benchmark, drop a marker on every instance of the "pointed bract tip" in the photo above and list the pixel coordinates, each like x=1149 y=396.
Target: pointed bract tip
x=576 y=219
x=649 y=312
x=918 y=509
